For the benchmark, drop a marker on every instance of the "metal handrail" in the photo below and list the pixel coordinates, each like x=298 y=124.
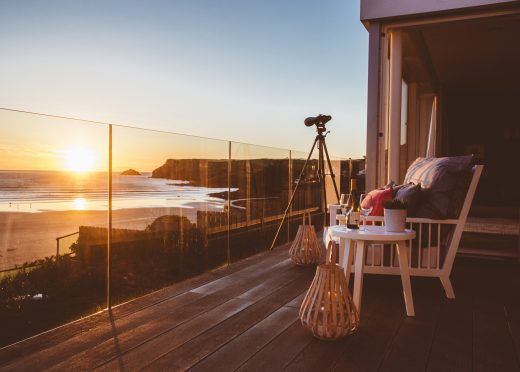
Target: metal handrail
x=58 y=242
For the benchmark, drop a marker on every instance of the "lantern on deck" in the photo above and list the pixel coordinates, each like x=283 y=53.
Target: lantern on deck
x=305 y=249
x=328 y=310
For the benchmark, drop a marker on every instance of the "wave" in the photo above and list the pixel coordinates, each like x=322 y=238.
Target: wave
x=63 y=191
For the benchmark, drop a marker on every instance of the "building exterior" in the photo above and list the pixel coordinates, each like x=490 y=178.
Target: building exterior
x=443 y=80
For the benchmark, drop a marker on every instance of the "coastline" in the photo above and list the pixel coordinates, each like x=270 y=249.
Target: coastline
x=26 y=237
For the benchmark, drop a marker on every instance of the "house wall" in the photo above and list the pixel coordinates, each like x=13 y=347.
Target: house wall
x=378 y=9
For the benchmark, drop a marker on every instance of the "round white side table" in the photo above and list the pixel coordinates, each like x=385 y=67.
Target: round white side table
x=350 y=238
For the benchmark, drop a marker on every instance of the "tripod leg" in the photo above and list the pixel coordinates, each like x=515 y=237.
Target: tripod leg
x=332 y=175
x=321 y=172
x=293 y=194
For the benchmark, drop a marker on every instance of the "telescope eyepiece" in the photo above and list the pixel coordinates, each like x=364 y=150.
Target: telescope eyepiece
x=317 y=120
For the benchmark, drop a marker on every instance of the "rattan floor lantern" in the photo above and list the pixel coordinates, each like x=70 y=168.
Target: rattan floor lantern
x=305 y=249
x=327 y=309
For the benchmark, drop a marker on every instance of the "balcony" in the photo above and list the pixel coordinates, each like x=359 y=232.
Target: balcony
x=167 y=267
x=245 y=317
x=93 y=215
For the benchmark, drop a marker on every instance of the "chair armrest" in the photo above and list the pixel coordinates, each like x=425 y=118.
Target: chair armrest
x=333 y=211
x=432 y=221
x=418 y=220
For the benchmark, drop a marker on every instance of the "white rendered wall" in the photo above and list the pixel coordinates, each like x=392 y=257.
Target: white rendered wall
x=375 y=9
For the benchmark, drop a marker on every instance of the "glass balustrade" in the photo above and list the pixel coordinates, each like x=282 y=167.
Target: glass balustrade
x=53 y=184
x=179 y=206
x=169 y=214
x=260 y=183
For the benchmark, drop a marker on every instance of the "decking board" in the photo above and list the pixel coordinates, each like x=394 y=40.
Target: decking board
x=164 y=344
x=239 y=350
x=512 y=313
x=276 y=355
x=200 y=347
x=175 y=337
x=493 y=349
x=452 y=346
x=64 y=333
x=323 y=355
x=381 y=320
x=411 y=345
x=162 y=322
x=100 y=343
x=245 y=317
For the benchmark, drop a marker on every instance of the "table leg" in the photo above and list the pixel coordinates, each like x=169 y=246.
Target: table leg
x=341 y=251
x=347 y=249
x=358 y=273
x=402 y=254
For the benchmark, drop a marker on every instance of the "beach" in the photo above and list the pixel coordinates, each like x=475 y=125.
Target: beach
x=36 y=207
x=25 y=237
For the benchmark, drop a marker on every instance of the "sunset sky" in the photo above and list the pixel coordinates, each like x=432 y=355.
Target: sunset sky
x=241 y=70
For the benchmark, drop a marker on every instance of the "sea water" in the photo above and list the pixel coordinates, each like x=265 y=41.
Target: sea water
x=37 y=208
x=43 y=191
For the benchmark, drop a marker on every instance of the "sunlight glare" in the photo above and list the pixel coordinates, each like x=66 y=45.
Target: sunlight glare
x=80 y=204
x=79 y=160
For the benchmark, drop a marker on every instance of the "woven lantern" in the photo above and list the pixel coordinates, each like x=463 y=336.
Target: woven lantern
x=328 y=310
x=305 y=249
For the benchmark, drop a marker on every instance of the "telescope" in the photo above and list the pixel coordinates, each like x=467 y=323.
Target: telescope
x=323 y=156
x=317 y=120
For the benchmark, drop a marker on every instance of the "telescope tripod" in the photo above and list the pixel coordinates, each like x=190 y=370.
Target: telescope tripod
x=323 y=154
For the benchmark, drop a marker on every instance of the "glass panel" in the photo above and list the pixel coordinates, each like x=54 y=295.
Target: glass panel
x=332 y=198
x=259 y=178
x=169 y=209
x=53 y=184
x=308 y=196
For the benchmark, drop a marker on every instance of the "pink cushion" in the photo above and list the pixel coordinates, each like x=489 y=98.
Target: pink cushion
x=375 y=199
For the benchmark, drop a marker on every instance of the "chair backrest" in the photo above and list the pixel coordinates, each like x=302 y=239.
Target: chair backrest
x=477 y=172
x=443 y=270
x=463 y=215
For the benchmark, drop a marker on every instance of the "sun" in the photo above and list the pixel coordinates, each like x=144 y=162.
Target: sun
x=79 y=204
x=79 y=160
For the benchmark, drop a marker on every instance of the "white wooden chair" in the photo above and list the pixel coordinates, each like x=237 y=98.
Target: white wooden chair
x=432 y=253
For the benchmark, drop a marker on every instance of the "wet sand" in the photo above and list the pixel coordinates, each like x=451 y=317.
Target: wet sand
x=25 y=237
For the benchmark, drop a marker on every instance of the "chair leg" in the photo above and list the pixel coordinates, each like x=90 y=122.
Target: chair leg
x=358 y=276
x=448 y=288
x=348 y=257
x=402 y=255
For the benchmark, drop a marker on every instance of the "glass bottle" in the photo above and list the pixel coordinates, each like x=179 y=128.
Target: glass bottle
x=356 y=208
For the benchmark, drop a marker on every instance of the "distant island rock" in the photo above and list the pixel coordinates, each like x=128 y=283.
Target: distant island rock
x=130 y=172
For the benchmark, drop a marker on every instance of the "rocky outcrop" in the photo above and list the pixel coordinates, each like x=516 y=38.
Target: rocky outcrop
x=199 y=172
x=130 y=172
x=263 y=177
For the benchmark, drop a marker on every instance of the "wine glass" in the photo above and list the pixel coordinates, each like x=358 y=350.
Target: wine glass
x=364 y=212
x=346 y=203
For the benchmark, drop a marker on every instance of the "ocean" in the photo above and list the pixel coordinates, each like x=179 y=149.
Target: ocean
x=44 y=191
x=37 y=207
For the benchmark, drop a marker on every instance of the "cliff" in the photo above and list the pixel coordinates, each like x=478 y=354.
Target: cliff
x=265 y=177
x=199 y=172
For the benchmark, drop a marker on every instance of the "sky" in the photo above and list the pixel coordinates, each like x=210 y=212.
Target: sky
x=242 y=70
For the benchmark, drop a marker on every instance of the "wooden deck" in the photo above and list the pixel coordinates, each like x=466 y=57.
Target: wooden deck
x=245 y=318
